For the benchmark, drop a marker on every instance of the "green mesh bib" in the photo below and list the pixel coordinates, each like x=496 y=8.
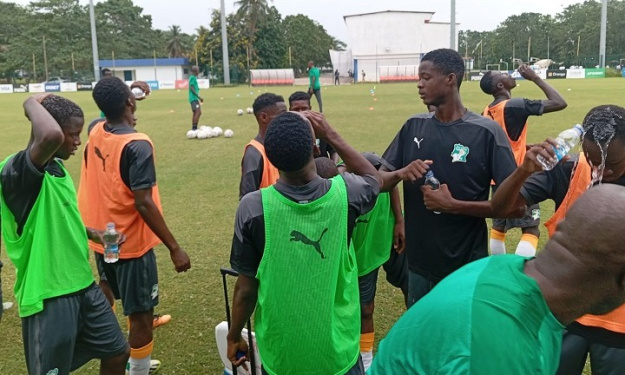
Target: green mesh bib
x=308 y=311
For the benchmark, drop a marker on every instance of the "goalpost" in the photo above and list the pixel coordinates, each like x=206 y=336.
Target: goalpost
x=497 y=67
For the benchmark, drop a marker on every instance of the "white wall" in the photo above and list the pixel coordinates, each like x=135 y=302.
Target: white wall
x=146 y=73
x=393 y=38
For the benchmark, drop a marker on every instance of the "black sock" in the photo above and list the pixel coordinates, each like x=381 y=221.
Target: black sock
x=194 y=127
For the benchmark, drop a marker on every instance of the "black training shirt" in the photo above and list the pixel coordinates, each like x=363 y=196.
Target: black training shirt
x=467 y=154
x=516 y=112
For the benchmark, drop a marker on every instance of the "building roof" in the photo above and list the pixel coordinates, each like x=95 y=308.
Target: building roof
x=387 y=11
x=180 y=61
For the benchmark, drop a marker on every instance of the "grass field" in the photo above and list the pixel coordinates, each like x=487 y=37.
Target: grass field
x=199 y=188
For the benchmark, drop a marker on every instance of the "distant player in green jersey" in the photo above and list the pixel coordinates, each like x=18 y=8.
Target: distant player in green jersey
x=506 y=314
x=66 y=320
x=194 y=97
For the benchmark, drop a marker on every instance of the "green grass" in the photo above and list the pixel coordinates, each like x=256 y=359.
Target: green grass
x=199 y=180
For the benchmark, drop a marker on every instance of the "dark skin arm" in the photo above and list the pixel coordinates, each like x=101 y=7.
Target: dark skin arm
x=243 y=304
x=555 y=102
x=196 y=93
x=399 y=232
x=508 y=195
x=155 y=221
x=353 y=160
x=412 y=172
x=47 y=135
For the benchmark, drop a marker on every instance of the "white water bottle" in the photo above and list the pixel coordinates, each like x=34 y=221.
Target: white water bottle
x=111 y=248
x=566 y=141
x=432 y=182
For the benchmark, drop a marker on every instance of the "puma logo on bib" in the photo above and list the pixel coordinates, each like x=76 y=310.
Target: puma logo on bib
x=300 y=237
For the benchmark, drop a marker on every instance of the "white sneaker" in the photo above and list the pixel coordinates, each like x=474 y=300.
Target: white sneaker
x=155 y=365
x=7 y=305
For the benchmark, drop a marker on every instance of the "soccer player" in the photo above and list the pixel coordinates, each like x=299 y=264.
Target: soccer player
x=604 y=142
x=66 y=320
x=256 y=169
x=118 y=184
x=299 y=101
x=505 y=314
x=293 y=259
x=326 y=168
x=194 y=97
x=512 y=114
x=378 y=241
x=314 y=84
x=465 y=151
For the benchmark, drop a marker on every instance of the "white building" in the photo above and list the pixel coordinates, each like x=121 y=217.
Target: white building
x=393 y=38
x=149 y=69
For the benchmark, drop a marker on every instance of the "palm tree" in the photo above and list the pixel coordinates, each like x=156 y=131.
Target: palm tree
x=253 y=12
x=175 y=46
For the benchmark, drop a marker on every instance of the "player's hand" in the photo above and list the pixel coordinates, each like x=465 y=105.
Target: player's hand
x=38 y=98
x=201 y=100
x=310 y=91
x=415 y=170
x=237 y=351
x=181 y=260
x=545 y=149
x=399 y=236
x=527 y=72
x=439 y=200
x=97 y=236
x=319 y=123
x=144 y=86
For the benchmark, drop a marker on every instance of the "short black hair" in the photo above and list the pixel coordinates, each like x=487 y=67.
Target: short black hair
x=106 y=71
x=111 y=94
x=604 y=123
x=61 y=109
x=326 y=168
x=486 y=83
x=266 y=100
x=289 y=142
x=299 y=95
x=447 y=61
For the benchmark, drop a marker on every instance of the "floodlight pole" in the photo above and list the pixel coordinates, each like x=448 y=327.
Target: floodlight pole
x=604 y=21
x=94 y=43
x=452 y=38
x=224 y=44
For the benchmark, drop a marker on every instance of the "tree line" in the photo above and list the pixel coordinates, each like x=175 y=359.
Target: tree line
x=50 y=38
x=569 y=38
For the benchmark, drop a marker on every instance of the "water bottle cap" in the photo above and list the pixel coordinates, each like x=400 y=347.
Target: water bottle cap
x=579 y=129
x=110 y=225
x=429 y=174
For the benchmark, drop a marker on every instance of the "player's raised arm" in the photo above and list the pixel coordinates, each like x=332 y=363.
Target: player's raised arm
x=47 y=136
x=555 y=102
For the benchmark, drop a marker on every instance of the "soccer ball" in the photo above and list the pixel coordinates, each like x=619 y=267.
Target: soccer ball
x=202 y=134
x=192 y=134
x=218 y=130
x=228 y=133
x=240 y=112
x=214 y=133
x=250 y=111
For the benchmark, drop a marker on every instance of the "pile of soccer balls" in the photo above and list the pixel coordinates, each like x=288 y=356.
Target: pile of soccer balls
x=206 y=132
x=248 y=110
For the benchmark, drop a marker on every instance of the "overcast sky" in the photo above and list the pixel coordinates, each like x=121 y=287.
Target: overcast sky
x=481 y=15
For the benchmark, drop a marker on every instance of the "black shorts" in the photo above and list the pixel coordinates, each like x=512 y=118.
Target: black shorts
x=195 y=105
x=134 y=281
x=531 y=219
x=70 y=331
x=396 y=269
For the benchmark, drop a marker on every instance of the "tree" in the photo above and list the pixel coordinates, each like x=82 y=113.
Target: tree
x=270 y=44
x=309 y=41
x=175 y=46
x=253 y=12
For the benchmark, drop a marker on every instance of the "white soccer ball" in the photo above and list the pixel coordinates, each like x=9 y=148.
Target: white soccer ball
x=214 y=133
x=240 y=112
x=218 y=130
x=192 y=134
x=250 y=110
x=228 y=133
x=203 y=128
x=202 y=134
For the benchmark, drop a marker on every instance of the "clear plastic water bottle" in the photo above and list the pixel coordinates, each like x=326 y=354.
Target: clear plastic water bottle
x=566 y=141
x=432 y=182
x=138 y=93
x=111 y=248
